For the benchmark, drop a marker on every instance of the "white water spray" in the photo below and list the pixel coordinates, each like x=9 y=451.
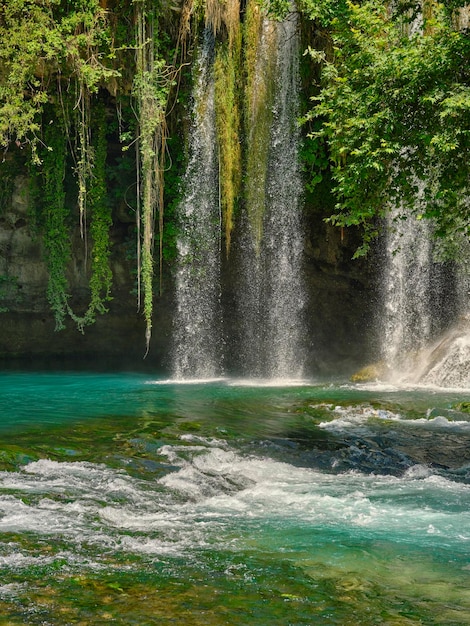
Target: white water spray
x=446 y=363
x=272 y=295
x=197 y=351
x=407 y=311
x=412 y=350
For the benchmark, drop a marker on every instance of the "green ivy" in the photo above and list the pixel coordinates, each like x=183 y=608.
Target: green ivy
x=150 y=89
x=7 y=185
x=100 y=224
x=56 y=217
x=38 y=40
x=61 y=54
x=8 y=291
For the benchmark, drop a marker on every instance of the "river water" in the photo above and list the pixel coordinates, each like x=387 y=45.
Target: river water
x=129 y=500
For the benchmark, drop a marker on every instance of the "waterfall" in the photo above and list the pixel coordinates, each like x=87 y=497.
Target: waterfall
x=445 y=363
x=271 y=296
x=425 y=325
x=271 y=293
x=197 y=351
x=406 y=322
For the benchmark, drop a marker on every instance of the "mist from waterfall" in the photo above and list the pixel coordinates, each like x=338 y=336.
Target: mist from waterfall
x=444 y=363
x=406 y=320
x=424 y=323
x=197 y=339
x=267 y=331
x=271 y=295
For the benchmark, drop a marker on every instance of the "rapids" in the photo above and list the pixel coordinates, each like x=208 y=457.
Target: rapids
x=136 y=501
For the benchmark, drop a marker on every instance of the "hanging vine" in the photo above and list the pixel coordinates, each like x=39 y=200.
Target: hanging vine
x=100 y=223
x=151 y=86
x=227 y=72
x=56 y=217
x=260 y=62
x=83 y=152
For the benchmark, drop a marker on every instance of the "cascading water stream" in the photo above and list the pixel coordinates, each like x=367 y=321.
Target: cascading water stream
x=446 y=362
x=417 y=307
x=411 y=313
x=407 y=313
x=271 y=292
x=197 y=351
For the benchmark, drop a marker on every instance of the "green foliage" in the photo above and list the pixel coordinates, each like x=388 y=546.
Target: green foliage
x=462 y=406
x=8 y=291
x=226 y=70
x=173 y=195
x=314 y=157
x=39 y=40
x=56 y=221
x=324 y=12
x=151 y=87
x=63 y=53
x=277 y=9
x=7 y=185
x=53 y=217
x=258 y=113
x=101 y=221
x=394 y=110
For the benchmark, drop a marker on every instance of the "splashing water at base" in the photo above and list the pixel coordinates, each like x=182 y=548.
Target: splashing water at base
x=446 y=363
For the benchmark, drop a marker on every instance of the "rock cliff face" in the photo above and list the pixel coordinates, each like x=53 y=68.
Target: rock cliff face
x=340 y=304
x=27 y=333
x=343 y=301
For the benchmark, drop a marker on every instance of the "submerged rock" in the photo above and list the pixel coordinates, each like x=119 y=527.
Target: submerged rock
x=369 y=373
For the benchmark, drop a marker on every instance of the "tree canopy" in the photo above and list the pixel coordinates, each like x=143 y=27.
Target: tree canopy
x=389 y=119
x=393 y=110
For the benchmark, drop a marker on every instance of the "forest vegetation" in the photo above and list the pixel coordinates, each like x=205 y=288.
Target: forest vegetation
x=93 y=97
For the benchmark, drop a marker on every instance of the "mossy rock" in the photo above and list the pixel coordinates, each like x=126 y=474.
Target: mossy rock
x=369 y=373
x=462 y=406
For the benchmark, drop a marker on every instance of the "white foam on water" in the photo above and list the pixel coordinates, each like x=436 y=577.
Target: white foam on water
x=120 y=517
x=270 y=382
x=237 y=382
x=79 y=479
x=16 y=516
x=18 y=560
x=374 y=385
x=277 y=490
x=404 y=385
x=218 y=495
x=151 y=547
x=440 y=422
x=207 y=441
x=397 y=506
x=187 y=381
x=11 y=590
x=359 y=419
